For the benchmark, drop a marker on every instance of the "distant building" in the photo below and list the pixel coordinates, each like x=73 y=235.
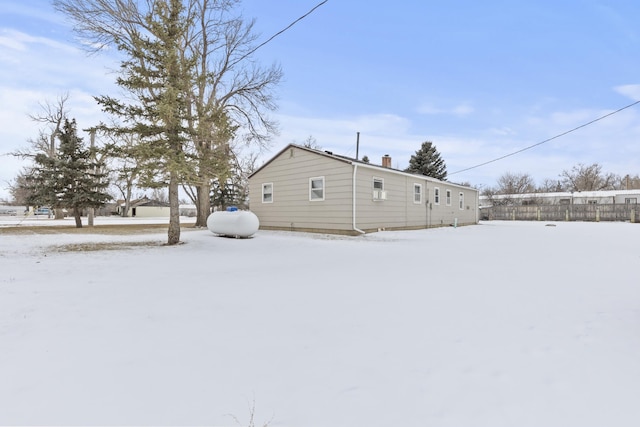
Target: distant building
x=145 y=208
x=188 y=210
x=563 y=198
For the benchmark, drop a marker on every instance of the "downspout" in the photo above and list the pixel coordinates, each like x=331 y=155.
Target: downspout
x=355 y=169
x=426 y=204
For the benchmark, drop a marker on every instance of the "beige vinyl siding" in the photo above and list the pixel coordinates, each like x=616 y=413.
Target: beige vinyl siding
x=374 y=214
x=443 y=214
x=291 y=208
x=399 y=210
x=416 y=213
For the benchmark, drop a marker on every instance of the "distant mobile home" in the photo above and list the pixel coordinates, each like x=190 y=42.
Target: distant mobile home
x=304 y=189
x=600 y=197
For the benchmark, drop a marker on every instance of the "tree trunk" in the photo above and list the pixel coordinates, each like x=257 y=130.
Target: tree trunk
x=59 y=213
x=203 y=204
x=127 y=202
x=76 y=215
x=174 y=210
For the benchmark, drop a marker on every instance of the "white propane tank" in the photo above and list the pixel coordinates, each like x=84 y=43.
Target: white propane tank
x=233 y=223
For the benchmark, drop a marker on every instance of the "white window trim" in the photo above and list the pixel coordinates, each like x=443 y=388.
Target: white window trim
x=315 y=178
x=263 y=186
x=448 y=196
x=436 y=195
x=461 y=201
x=416 y=185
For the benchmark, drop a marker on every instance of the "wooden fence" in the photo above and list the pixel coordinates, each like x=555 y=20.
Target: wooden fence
x=626 y=212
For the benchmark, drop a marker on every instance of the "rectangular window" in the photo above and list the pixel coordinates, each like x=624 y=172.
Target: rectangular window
x=316 y=189
x=378 y=189
x=461 y=201
x=631 y=200
x=417 y=193
x=267 y=193
x=448 y=197
x=436 y=195
x=593 y=202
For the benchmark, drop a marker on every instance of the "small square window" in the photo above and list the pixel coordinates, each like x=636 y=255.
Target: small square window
x=316 y=188
x=267 y=193
x=378 y=184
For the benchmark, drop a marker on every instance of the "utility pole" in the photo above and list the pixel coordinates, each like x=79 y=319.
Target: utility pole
x=91 y=210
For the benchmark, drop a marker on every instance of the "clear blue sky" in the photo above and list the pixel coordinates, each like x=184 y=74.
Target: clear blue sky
x=478 y=79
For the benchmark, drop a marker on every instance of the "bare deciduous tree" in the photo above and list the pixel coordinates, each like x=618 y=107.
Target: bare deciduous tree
x=123 y=164
x=312 y=142
x=628 y=182
x=18 y=187
x=551 y=186
x=515 y=183
x=52 y=117
x=588 y=178
x=230 y=95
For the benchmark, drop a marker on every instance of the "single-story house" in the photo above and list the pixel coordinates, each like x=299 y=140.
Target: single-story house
x=311 y=190
x=146 y=208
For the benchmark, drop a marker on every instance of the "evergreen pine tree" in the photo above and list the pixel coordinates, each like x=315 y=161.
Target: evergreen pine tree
x=159 y=77
x=230 y=187
x=230 y=192
x=427 y=161
x=71 y=180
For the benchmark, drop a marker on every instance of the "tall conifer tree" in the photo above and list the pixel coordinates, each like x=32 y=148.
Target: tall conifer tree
x=159 y=75
x=427 y=161
x=71 y=180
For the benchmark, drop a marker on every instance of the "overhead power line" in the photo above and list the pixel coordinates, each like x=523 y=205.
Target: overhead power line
x=281 y=31
x=549 y=139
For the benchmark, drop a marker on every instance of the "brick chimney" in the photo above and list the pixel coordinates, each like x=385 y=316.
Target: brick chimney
x=386 y=161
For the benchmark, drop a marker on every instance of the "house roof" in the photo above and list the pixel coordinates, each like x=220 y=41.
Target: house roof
x=352 y=161
x=322 y=153
x=148 y=202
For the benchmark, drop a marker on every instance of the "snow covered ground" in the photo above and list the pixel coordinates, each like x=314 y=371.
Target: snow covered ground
x=69 y=221
x=501 y=324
